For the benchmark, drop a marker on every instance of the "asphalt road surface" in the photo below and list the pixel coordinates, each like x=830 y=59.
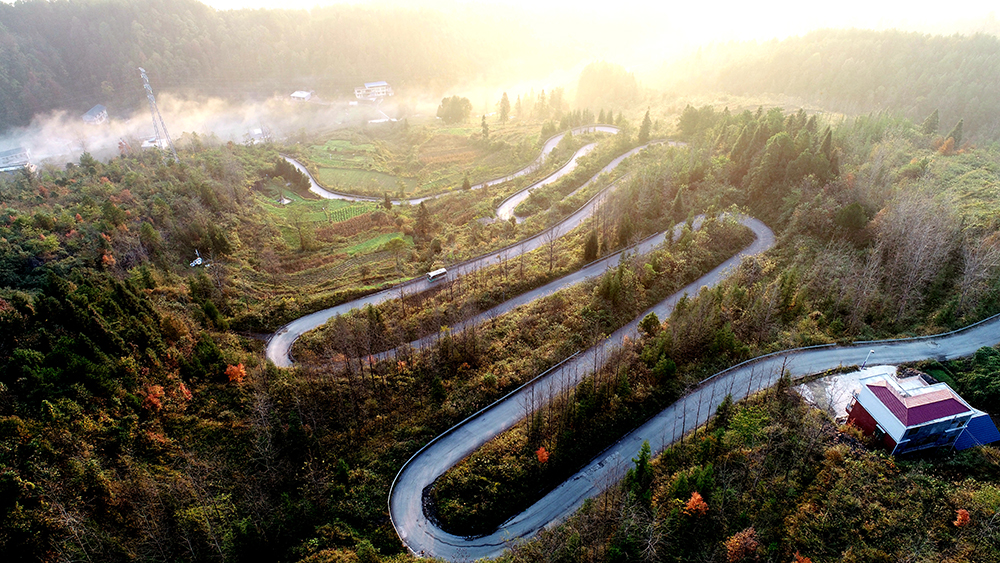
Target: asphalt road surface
x=422 y=537
x=280 y=344
x=589 y=271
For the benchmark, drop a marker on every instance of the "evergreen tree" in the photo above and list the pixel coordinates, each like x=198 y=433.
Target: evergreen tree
x=466 y=185
x=423 y=227
x=590 y=247
x=517 y=106
x=504 y=108
x=930 y=125
x=639 y=478
x=688 y=122
x=956 y=134
x=827 y=147
x=644 y=129
x=767 y=178
x=387 y=201
x=486 y=129
x=600 y=116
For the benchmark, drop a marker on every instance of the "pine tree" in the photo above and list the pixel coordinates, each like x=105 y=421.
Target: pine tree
x=600 y=116
x=466 y=185
x=590 y=247
x=504 y=108
x=827 y=147
x=644 y=129
x=486 y=129
x=930 y=125
x=956 y=134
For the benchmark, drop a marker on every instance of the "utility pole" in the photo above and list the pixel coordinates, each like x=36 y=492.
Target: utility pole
x=158 y=123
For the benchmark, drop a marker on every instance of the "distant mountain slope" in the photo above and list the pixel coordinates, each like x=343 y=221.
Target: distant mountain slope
x=859 y=71
x=73 y=55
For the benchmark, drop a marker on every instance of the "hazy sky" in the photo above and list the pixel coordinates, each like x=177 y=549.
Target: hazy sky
x=703 y=21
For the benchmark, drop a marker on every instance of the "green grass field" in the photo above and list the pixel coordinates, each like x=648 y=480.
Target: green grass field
x=338 y=210
x=974 y=183
x=374 y=243
x=363 y=181
x=339 y=153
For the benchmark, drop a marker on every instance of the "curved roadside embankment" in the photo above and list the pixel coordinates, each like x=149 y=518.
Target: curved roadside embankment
x=586 y=272
x=422 y=537
x=506 y=208
x=280 y=344
x=550 y=144
x=406 y=509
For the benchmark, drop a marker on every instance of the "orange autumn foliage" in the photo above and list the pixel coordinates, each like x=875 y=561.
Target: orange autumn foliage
x=543 y=455
x=801 y=558
x=741 y=545
x=154 y=397
x=962 y=518
x=696 y=506
x=236 y=373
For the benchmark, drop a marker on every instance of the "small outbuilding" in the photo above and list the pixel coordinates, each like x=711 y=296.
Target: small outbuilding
x=302 y=95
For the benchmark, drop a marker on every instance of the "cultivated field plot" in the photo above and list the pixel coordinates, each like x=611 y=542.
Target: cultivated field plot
x=364 y=181
x=421 y=160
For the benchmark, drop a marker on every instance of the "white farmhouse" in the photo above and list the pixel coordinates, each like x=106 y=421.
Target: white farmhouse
x=373 y=90
x=14 y=159
x=96 y=116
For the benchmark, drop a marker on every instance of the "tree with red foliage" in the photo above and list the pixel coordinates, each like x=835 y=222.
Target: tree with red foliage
x=696 y=505
x=236 y=373
x=542 y=454
x=742 y=545
x=962 y=518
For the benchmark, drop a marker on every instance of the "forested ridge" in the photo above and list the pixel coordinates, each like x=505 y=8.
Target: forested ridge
x=139 y=421
x=859 y=71
x=74 y=54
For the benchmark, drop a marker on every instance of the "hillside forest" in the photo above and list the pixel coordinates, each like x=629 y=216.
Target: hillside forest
x=140 y=421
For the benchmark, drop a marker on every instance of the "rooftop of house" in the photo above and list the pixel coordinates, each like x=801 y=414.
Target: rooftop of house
x=14 y=152
x=376 y=84
x=916 y=399
x=95 y=111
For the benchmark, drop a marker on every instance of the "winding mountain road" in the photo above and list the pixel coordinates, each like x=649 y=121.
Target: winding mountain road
x=423 y=537
x=587 y=272
x=280 y=344
x=547 y=149
x=406 y=510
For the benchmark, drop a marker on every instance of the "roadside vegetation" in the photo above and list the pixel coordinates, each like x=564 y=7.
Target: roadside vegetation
x=138 y=420
x=773 y=479
x=836 y=274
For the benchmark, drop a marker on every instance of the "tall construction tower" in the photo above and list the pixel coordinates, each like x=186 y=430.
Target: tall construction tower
x=159 y=127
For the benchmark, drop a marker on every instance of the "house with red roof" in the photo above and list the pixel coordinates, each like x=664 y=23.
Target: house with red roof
x=916 y=412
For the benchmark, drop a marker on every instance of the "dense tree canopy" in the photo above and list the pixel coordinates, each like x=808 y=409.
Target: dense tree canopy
x=454 y=109
x=858 y=71
x=76 y=54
